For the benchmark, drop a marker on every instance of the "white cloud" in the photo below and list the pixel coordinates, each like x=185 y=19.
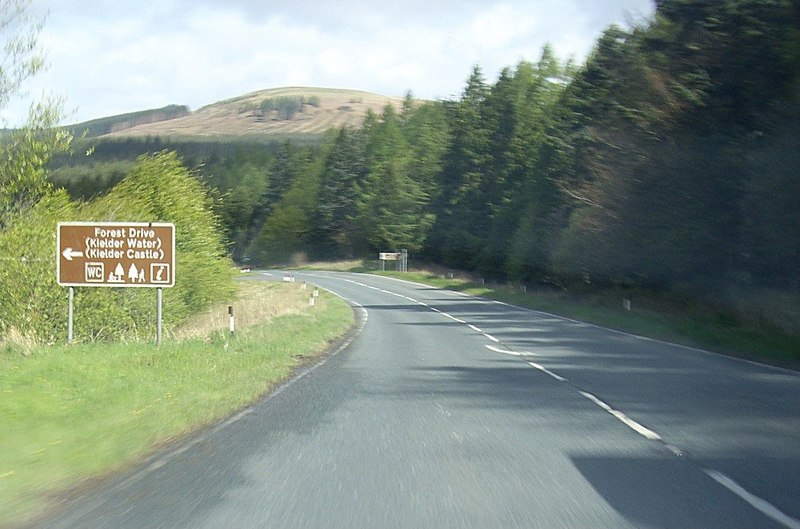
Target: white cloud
x=114 y=57
x=500 y=27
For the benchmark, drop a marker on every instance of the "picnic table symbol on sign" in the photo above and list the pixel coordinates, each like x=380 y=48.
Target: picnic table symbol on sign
x=118 y=275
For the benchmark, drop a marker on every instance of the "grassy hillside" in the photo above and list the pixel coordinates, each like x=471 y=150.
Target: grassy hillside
x=111 y=124
x=283 y=112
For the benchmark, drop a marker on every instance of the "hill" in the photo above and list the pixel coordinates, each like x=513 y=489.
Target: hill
x=121 y=122
x=267 y=113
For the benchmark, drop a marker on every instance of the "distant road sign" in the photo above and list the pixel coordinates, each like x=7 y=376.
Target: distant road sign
x=116 y=254
x=389 y=256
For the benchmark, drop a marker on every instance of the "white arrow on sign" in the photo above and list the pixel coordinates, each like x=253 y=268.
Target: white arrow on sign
x=69 y=253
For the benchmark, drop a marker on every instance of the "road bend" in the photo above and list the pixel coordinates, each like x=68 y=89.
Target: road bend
x=453 y=411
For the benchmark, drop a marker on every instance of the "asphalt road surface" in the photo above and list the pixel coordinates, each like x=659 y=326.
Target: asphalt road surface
x=452 y=411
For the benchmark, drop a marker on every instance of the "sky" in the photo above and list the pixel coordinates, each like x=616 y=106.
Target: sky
x=108 y=57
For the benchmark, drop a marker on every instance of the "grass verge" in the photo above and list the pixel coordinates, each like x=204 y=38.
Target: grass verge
x=672 y=319
x=73 y=413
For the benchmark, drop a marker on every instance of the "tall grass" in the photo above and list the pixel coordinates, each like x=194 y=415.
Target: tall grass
x=75 y=413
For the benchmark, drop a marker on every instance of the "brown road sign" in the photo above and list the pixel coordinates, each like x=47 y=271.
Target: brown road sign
x=116 y=254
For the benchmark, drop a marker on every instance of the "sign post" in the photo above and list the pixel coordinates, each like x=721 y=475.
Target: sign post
x=400 y=258
x=390 y=256
x=69 y=318
x=116 y=254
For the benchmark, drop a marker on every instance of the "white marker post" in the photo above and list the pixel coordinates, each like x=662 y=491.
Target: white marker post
x=230 y=319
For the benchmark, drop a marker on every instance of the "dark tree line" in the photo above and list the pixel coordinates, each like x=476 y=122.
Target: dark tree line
x=669 y=160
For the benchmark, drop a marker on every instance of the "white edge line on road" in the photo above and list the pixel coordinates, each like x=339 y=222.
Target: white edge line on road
x=545 y=370
x=158 y=460
x=760 y=504
x=422 y=303
x=664 y=342
x=756 y=502
x=656 y=340
x=627 y=421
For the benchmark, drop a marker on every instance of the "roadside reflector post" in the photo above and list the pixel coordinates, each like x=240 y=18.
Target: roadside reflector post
x=230 y=319
x=316 y=292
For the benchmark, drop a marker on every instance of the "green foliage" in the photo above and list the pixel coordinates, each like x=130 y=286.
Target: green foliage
x=664 y=122
x=161 y=189
x=85 y=181
x=24 y=154
x=288 y=207
x=393 y=208
x=342 y=175
x=74 y=413
x=33 y=305
x=19 y=35
x=667 y=161
x=98 y=127
x=285 y=107
x=158 y=189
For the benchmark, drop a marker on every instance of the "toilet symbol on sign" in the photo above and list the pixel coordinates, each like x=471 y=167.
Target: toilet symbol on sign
x=94 y=272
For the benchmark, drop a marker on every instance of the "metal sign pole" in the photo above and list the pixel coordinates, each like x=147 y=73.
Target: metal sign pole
x=158 y=316
x=69 y=317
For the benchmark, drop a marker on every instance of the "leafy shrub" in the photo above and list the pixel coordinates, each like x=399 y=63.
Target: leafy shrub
x=158 y=189
x=34 y=307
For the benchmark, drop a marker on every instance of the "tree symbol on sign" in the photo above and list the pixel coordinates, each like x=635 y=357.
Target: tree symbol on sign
x=133 y=273
x=117 y=276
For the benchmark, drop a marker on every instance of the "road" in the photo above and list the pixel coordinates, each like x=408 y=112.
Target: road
x=453 y=411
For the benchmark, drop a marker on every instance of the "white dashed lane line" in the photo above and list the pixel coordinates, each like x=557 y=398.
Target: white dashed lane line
x=507 y=352
x=545 y=370
x=630 y=423
x=760 y=504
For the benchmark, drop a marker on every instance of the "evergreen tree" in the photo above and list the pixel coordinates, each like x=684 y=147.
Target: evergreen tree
x=393 y=204
x=455 y=238
x=343 y=173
